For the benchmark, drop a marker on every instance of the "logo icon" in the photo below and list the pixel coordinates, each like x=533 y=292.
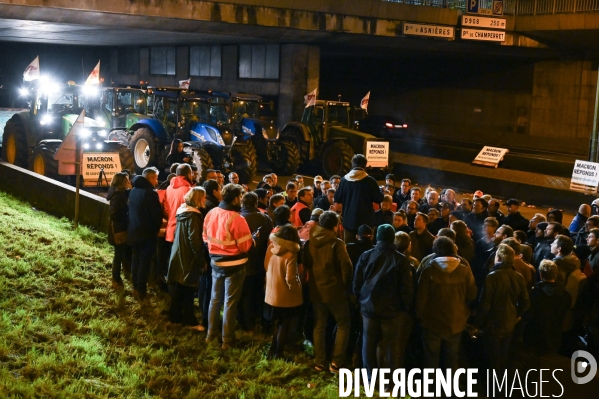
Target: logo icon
x=584 y=367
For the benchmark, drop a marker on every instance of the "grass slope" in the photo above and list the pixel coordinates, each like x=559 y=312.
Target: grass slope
x=65 y=333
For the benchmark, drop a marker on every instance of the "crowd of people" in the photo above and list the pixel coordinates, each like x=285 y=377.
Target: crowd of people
x=369 y=276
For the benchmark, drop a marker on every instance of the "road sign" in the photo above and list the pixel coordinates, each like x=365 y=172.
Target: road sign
x=490 y=156
x=472 y=6
x=94 y=163
x=497 y=7
x=377 y=154
x=447 y=32
x=483 y=22
x=585 y=176
x=484 y=35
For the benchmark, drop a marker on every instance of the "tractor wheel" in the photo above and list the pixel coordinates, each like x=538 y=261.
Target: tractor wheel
x=143 y=147
x=125 y=155
x=14 y=143
x=303 y=145
x=121 y=136
x=288 y=159
x=244 y=161
x=205 y=161
x=336 y=158
x=43 y=162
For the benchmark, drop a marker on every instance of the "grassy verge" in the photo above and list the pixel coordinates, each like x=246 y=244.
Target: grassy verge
x=65 y=333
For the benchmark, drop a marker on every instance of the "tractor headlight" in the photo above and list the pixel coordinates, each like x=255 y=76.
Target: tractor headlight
x=102 y=133
x=86 y=146
x=46 y=119
x=85 y=132
x=99 y=146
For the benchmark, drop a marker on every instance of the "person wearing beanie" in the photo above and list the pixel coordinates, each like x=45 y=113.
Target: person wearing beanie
x=514 y=218
x=364 y=242
x=383 y=287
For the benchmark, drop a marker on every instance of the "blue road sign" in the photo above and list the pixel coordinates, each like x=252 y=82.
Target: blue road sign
x=472 y=6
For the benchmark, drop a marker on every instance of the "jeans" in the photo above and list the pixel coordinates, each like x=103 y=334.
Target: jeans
x=252 y=298
x=433 y=344
x=281 y=331
x=122 y=257
x=340 y=311
x=384 y=334
x=204 y=294
x=181 y=310
x=227 y=290
x=406 y=322
x=498 y=350
x=141 y=263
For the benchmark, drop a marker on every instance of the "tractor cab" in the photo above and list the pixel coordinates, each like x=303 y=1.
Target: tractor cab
x=320 y=118
x=121 y=107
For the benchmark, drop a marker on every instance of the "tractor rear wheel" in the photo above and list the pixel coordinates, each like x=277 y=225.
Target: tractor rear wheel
x=143 y=147
x=287 y=160
x=14 y=143
x=205 y=160
x=43 y=162
x=245 y=161
x=336 y=158
x=125 y=154
x=303 y=146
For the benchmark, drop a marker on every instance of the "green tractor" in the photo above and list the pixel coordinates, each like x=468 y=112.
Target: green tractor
x=31 y=138
x=325 y=137
x=119 y=108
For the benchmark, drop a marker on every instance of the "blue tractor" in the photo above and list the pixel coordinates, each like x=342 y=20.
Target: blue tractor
x=186 y=115
x=258 y=134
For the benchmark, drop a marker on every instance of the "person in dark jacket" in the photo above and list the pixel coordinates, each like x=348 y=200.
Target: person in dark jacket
x=363 y=243
x=543 y=248
x=383 y=286
x=187 y=259
x=422 y=239
x=356 y=193
x=494 y=211
x=476 y=218
x=504 y=299
x=549 y=302
x=443 y=220
x=514 y=218
x=326 y=200
x=330 y=272
x=593 y=243
x=145 y=220
x=463 y=241
x=446 y=288
x=252 y=294
x=176 y=154
x=213 y=195
x=118 y=195
x=384 y=215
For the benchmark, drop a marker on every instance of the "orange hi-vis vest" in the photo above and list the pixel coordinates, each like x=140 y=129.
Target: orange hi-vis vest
x=295 y=211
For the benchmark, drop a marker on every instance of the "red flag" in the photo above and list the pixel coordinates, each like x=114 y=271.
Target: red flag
x=94 y=77
x=32 y=72
x=364 y=102
x=184 y=84
x=310 y=98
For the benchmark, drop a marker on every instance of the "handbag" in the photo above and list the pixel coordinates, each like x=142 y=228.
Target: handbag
x=120 y=238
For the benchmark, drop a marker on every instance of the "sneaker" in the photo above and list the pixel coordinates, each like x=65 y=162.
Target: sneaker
x=320 y=367
x=334 y=368
x=117 y=285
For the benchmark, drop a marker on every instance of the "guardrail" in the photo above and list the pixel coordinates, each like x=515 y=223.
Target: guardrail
x=515 y=7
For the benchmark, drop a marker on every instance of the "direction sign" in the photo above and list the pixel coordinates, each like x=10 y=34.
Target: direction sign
x=483 y=22
x=472 y=6
x=497 y=7
x=447 y=32
x=485 y=35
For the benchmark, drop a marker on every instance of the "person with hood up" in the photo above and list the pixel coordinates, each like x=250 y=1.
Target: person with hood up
x=329 y=278
x=383 y=286
x=445 y=290
x=175 y=193
x=549 y=302
x=118 y=196
x=187 y=259
x=356 y=193
x=145 y=220
x=283 y=298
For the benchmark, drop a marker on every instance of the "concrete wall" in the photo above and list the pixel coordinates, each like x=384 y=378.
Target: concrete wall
x=53 y=197
x=299 y=71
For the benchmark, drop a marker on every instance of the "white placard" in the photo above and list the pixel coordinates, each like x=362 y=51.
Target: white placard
x=447 y=32
x=486 y=35
x=93 y=162
x=377 y=154
x=483 y=22
x=585 y=176
x=490 y=156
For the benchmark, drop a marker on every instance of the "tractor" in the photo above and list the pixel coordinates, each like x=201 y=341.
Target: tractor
x=186 y=115
x=31 y=138
x=261 y=136
x=325 y=139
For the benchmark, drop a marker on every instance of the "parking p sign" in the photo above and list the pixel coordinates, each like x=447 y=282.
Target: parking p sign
x=377 y=154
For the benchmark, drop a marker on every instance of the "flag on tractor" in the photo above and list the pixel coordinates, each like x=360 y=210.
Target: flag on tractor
x=184 y=84
x=32 y=72
x=310 y=98
x=364 y=102
x=94 y=77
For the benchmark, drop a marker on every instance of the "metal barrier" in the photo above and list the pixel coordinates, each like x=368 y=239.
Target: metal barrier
x=515 y=7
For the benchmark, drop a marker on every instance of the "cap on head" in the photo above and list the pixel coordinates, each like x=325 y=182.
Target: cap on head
x=318 y=178
x=364 y=230
x=512 y=201
x=385 y=233
x=542 y=226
